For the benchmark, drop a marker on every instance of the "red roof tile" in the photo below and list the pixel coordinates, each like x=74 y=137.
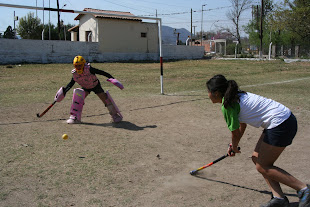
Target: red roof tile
x=109 y=16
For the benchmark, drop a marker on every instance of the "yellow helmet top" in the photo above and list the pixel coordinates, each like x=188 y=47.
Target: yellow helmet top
x=79 y=60
x=79 y=63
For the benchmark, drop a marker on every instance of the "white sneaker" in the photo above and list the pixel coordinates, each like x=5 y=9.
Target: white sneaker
x=73 y=121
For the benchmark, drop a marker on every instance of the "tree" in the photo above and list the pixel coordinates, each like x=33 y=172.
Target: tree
x=254 y=26
x=234 y=14
x=293 y=19
x=54 y=32
x=64 y=34
x=30 y=27
x=9 y=33
x=285 y=24
x=298 y=19
x=289 y=24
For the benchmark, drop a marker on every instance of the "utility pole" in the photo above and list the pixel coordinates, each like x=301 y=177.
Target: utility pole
x=191 y=26
x=15 y=19
x=261 y=29
x=257 y=17
x=194 y=32
x=202 y=20
x=58 y=19
x=49 y=20
x=178 y=36
x=43 y=23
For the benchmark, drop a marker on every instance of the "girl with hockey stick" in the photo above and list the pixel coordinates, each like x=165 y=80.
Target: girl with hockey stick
x=280 y=126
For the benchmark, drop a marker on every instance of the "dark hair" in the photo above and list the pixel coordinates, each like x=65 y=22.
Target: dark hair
x=228 y=89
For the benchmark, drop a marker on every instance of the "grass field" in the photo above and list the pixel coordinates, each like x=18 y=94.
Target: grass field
x=146 y=159
x=38 y=83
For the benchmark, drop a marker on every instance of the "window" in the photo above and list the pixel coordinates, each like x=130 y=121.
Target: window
x=143 y=34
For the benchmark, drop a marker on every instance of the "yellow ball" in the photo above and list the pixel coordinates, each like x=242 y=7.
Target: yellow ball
x=65 y=136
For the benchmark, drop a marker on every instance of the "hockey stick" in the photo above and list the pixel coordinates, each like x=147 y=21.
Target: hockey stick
x=194 y=172
x=46 y=110
x=56 y=99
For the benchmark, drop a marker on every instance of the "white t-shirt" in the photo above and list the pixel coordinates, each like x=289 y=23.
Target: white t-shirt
x=262 y=112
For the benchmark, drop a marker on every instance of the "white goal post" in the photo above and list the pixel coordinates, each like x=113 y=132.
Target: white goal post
x=159 y=22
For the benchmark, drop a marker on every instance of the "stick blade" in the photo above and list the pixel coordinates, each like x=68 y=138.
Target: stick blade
x=193 y=172
x=38 y=115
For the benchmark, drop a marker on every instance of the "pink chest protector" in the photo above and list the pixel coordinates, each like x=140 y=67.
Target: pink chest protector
x=86 y=79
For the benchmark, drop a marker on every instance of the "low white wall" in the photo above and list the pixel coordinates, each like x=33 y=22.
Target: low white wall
x=175 y=52
x=54 y=51
x=43 y=51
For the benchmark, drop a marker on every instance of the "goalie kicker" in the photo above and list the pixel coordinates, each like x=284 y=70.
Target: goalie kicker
x=113 y=109
x=77 y=106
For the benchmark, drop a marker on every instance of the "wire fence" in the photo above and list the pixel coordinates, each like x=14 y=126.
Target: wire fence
x=291 y=51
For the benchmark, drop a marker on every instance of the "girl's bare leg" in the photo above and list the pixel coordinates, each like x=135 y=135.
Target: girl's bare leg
x=264 y=157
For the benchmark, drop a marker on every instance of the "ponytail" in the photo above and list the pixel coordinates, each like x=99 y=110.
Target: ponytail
x=231 y=94
x=228 y=89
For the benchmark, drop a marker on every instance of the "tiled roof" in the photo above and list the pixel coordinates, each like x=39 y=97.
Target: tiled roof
x=75 y=28
x=109 y=16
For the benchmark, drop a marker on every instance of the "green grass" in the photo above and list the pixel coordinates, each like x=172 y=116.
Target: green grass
x=35 y=83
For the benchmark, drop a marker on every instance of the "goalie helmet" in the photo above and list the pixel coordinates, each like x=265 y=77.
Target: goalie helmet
x=79 y=63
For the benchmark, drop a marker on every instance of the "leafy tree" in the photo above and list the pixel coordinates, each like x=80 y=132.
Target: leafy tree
x=292 y=20
x=298 y=19
x=54 y=32
x=50 y=29
x=64 y=31
x=30 y=27
x=284 y=24
x=253 y=27
x=234 y=14
x=9 y=33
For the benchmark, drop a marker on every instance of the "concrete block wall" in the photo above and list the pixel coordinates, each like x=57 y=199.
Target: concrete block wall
x=176 y=52
x=54 y=51
x=43 y=51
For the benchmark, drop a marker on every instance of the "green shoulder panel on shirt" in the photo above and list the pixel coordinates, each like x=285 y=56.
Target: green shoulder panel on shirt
x=231 y=115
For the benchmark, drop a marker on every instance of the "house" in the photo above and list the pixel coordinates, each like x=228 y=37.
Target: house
x=116 y=34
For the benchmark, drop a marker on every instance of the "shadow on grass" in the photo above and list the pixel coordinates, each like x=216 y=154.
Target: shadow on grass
x=122 y=125
x=176 y=94
x=126 y=125
x=169 y=104
x=295 y=204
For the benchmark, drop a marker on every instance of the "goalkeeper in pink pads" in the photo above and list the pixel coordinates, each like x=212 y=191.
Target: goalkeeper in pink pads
x=85 y=75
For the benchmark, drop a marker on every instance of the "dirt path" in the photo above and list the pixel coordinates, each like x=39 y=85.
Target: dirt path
x=143 y=161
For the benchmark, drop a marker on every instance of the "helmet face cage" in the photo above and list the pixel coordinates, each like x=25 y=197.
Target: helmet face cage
x=80 y=62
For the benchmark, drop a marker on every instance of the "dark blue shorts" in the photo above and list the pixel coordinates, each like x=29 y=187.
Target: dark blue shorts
x=282 y=135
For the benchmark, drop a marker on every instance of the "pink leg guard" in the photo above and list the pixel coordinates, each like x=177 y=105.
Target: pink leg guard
x=113 y=109
x=77 y=104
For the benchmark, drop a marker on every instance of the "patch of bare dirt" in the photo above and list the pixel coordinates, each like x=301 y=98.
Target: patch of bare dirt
x=143 y=161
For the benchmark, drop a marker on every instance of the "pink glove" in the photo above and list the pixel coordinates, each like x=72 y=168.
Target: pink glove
x=60 y=95
x=116 y=83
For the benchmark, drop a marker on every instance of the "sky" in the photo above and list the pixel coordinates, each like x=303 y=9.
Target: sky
x=174 y=13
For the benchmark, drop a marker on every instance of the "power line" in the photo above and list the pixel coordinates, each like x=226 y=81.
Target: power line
x=209 y=21
x=163 y=4
x=128 y=7
x=178 y=13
